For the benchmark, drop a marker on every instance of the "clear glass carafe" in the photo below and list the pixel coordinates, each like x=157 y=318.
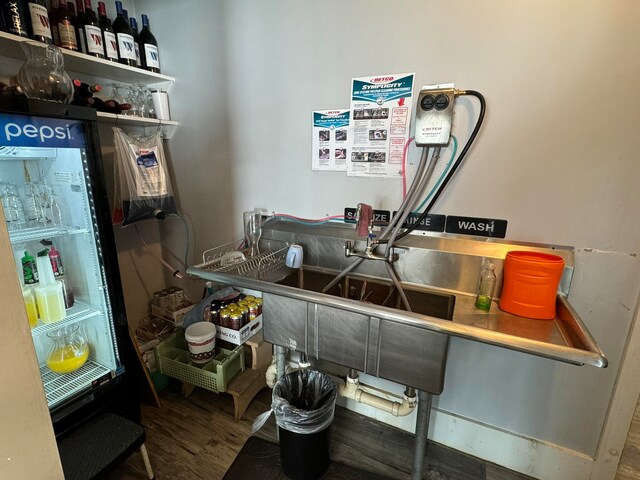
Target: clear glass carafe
x=69 y=349
x=42 y=76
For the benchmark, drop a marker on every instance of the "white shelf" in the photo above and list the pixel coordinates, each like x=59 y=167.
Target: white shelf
x=59 y=387
x=75 y=314
x=81 y=63
x=38 y=233
x=167 y=127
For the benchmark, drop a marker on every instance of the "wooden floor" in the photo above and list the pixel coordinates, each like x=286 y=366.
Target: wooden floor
x=197 y=439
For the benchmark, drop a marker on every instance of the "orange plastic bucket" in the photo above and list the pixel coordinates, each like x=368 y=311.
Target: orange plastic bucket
x=530 y=284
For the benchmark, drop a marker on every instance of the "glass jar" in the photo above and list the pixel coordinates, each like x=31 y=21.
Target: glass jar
x=69 y=349
x=42 y=76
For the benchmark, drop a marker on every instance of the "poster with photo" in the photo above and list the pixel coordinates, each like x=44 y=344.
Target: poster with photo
x=380 y=116
x=329 y=140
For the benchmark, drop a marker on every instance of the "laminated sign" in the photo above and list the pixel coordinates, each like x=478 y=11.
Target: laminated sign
x=380 y=115
x=142 y=187
x=329 y=140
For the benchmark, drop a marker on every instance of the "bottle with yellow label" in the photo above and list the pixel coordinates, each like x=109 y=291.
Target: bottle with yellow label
x=30 y=305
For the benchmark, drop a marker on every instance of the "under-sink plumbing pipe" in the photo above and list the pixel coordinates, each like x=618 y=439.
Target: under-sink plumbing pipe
x=354 y=390
x=271 y=374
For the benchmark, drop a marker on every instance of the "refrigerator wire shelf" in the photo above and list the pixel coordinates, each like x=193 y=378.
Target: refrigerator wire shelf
x=38 y=233
x=75 y=314
x=59 y=387
x=267 y=264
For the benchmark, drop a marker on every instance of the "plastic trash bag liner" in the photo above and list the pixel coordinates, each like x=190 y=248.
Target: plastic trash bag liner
x=303 y=402
x=142 y=186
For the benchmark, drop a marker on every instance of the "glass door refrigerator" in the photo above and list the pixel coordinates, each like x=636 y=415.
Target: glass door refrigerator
x=57 y=216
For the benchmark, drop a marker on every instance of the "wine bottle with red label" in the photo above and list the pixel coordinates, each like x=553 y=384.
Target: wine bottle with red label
x=66 y=30
x=92 y=32
x=38 y=21
x=109 y=38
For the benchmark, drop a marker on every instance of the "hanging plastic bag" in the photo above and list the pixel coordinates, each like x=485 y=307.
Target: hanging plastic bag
x=142 y=187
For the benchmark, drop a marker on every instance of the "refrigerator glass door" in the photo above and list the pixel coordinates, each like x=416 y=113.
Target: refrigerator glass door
x=48 y=204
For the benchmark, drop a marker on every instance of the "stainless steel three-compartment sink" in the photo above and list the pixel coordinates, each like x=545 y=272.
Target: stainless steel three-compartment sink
x=359 y=322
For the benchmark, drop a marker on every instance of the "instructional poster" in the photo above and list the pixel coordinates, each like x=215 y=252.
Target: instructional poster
x=380 y=113
x=330 y=138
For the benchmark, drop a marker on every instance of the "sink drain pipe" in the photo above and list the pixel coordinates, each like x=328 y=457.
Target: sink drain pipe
x=353 y=389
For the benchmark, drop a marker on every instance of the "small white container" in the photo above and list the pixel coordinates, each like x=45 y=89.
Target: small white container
x=201 y=339
x=161 y=105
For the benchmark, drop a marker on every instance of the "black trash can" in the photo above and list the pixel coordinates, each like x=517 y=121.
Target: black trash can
x=304 y=402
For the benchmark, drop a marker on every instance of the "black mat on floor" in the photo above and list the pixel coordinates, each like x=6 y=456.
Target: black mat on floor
x=260 y=459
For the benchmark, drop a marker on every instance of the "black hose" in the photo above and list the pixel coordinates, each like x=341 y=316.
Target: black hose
x=472 y=137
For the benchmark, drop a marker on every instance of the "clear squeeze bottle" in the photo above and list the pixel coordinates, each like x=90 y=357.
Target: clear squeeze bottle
x=486 y=287
x=49 y=295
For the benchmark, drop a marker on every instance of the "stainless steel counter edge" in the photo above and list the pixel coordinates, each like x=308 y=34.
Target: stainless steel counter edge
x=592 y=356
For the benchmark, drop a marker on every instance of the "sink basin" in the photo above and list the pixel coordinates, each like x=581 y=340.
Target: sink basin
x=334 y=331
x=375 y=291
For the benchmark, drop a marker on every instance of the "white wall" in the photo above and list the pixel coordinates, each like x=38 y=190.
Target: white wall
x=556 y=157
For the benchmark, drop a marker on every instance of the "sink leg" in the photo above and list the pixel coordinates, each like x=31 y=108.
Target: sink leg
x=281 y=357
x=422 y=429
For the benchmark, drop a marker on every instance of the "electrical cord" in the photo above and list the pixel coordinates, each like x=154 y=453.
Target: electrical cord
x=472 y=137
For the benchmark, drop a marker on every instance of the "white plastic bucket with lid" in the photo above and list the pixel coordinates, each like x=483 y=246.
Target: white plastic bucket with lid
x=201 y=339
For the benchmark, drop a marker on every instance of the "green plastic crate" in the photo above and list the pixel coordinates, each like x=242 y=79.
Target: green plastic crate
x=173 y=359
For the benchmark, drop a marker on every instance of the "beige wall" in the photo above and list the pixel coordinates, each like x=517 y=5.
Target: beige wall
x=27 y=443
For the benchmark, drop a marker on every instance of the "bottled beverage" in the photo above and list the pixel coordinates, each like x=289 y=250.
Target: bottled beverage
x=29 y=269
x=124 y=38
x=81 y=89
x=38 y=21
x=56 y=261
x=66 y=30
x=109 y=38
x=148 y=47
x=53 y=21
x=92 y=32
x=134 y=29
x=84 y=101
x=30 y=306
x=49 y=292
x=79 y=25
x=486 y=287
x=13 y=17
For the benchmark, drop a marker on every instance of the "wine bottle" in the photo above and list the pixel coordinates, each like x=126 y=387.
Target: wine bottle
x=79 y=26
x=81 y=89
x=38 y=21
x=134 y=29
x=109 y=38
x=53 y=21
x=13 y=17
x=124 y=37
x=148 y=47
x=10 y=90
x=84 y=101
x=110 y=106
x=92 y=32
x=71 y=8
x=66 y=31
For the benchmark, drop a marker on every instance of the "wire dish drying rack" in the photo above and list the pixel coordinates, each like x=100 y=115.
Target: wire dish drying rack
x=267 y=263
